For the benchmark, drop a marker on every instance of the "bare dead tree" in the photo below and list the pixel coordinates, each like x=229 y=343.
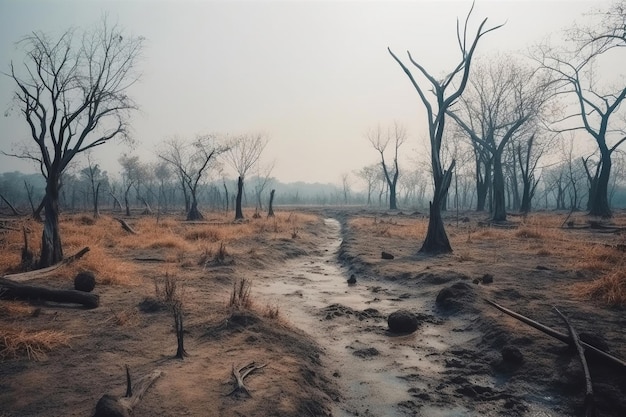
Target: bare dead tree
x=263 y=179
x=131 y=173
x=528 y=155
x=94 y=175
x=504 y=97
x=596 y=107
x=436 y=238
x=191 y=161
x=243 y=154
x=73 y=93
x=380 y=141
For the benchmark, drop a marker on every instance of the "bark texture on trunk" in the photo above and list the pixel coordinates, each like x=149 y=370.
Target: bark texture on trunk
x=51 y=250
x=599 y=191
x=499 y=203
x=238 y=210
x=270 y=212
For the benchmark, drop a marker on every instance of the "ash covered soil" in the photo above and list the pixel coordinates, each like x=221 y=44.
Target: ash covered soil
x=329 y=351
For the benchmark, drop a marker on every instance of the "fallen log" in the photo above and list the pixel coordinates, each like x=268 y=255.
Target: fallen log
x=110 y=406
x=589 y=403
x=240 y=374
x=126 y=226
x=41 y=273
x=558 y=335
x=12 y=289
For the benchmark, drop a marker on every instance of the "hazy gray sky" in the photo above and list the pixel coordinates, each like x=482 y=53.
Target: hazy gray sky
x=314 y=76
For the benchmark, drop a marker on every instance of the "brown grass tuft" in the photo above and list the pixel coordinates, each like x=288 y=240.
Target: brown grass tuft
x=240 y=297
x=16 y=342
x=609 y=288
x=16 y=309
x=526 y=232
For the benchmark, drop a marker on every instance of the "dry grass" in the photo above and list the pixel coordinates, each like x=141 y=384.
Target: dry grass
x=391 y=227
x=128 y=317
x=272 y=311
x=17 y=342
x=240 y=297
x=539 y=233
x=16 y=309
x=609 y=288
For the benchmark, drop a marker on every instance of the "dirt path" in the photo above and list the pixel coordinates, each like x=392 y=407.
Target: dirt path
x=375 y=370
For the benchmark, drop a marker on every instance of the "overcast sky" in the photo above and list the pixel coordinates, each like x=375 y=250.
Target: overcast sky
x=313 y=76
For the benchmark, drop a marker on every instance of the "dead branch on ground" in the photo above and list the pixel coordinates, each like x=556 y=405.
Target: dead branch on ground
x=126 y=226
x=558 y=335
x=17 y=290
x=110 y=406
x=240 y=374
x=41 y=273
x=589 y=404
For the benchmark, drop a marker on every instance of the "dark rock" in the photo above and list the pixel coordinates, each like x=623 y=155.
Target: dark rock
x=455 y=296
x=352 y=279
x=85 y=281
x=387 y=255
x=487 y=279
x=542 y=268
x=402 y=321
x=512 y=355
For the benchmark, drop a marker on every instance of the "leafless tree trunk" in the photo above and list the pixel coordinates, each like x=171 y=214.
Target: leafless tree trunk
x=436 y=238
x=380 y=142
x=242 y=154
x=73 y=94
x=597 y=106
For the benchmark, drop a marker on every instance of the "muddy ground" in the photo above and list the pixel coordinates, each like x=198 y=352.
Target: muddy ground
x=329 y=351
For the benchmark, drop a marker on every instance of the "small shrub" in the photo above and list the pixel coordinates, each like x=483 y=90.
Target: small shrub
x=172 y=295
x=240 y=297
x=220 y=255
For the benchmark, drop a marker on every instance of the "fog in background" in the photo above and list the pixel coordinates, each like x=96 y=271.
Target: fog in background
x=313 y=76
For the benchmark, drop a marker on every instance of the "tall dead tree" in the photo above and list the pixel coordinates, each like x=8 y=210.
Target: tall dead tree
x=503 y=98
x=596 y=106
x=446 y=92
x=73 y=93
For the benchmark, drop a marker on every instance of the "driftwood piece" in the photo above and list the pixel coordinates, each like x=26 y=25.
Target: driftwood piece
x=560 y=336
x=240 y=374
x=126 y=226
x=110 y=406
x=589 y=403
x=41 y=273
x=12 y=289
